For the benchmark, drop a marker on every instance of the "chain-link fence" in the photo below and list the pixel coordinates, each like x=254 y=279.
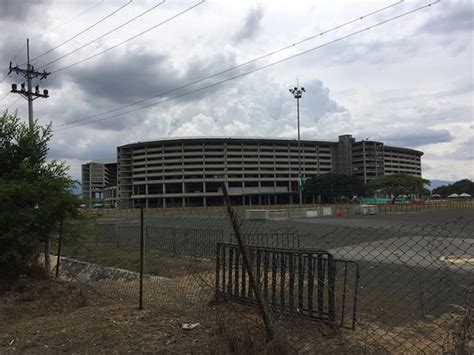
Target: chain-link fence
x=276 y=212
x=381 y=288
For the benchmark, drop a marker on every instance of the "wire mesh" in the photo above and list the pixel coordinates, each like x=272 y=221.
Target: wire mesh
x=400 y=288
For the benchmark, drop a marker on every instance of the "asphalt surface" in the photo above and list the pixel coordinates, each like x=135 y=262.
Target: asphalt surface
x=405 y=272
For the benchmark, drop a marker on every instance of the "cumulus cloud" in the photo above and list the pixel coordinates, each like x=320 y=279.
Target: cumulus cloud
x=243 y=111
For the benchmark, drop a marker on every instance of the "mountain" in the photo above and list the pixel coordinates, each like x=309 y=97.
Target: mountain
x=76 y=189
x=437 y=183
x=459 y=187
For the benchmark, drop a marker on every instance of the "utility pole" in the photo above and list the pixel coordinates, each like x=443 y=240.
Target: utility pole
x=29 y=74
x=297 y=92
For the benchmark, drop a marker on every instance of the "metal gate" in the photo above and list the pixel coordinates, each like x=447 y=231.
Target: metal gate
x=288 y=240
x=304 y=283
x=184 y=241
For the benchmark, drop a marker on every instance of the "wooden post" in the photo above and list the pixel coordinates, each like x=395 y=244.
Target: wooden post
x=262 y=306
x=60 y=239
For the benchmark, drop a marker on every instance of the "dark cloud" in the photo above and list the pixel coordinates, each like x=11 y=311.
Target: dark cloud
x=17 y=10
x=391 y=97
x=94 y=150
x=125 y=78
x=257 y=105
x=451 y=113
x=15 y=17
x=454 y=17
x=129 y=77
x=465 y=150
x=251 y=25
x=413 y=136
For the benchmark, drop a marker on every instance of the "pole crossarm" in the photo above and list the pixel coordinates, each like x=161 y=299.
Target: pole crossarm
x=26 y=91
x=32 y=73
x=23 y=92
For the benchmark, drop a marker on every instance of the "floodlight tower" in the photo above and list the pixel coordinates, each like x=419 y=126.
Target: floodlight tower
x=297 y=92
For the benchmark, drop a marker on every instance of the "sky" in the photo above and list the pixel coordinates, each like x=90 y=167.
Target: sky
x=406 y=82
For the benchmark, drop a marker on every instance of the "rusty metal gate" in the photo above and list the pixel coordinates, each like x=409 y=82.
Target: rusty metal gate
x=184 y=241
x=288 y=240
x=305 y=283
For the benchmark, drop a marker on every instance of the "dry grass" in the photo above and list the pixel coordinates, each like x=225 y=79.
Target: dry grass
x=156 y=262
x=38 y=316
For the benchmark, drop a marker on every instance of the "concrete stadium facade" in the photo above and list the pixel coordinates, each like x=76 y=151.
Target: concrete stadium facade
x=185 y=172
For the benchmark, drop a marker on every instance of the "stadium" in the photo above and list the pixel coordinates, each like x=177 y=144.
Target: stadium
x=188 y=172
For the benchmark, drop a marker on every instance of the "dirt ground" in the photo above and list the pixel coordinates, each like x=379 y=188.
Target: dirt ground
x=47 y=316
x=38 y=316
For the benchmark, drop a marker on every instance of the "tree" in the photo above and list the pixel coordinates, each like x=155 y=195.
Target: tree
x=34 y=195
x=398 y=184
x=459 y=187
x=333 y=186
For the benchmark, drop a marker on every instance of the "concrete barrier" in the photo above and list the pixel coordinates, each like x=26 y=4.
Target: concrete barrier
x=256 y=214
x=367 y=209
x=326 y=211
x=282 y=214
x=76 y=270
x=276 y=215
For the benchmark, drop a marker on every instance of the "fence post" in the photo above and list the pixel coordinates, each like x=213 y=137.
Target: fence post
x=331 y=288
x=218 y=260
x=117 y=235
x=60 y=239
x=142 y=245
x=262 y=306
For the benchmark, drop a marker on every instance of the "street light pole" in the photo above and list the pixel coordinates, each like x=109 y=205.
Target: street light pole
x=297 y=93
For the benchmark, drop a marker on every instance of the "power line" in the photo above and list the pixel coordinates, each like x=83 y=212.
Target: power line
x=104 y=35
x=13 y=103
x=66 y=125
x=239 y=65
x=4 y=77
x=20 y=51
x=83 y=31
x=4 y=96
x=69 y=21
x=129 y=39
x=49 y=30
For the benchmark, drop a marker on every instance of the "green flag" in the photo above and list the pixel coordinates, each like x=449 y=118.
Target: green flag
x=300 y=186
